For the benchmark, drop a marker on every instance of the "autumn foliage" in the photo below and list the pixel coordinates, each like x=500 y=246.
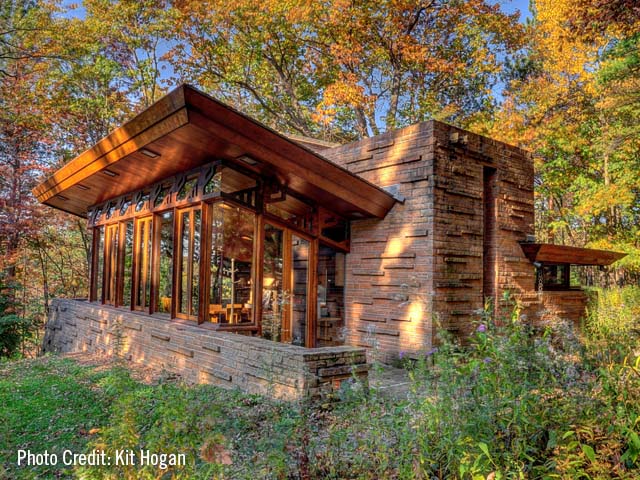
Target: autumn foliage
x=564 y=84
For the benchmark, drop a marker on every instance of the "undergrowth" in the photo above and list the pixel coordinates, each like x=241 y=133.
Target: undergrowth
x=516 y=402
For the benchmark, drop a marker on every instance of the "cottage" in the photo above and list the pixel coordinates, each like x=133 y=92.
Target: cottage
x=240 y=256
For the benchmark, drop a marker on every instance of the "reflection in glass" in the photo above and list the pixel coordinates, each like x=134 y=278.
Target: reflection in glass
x=300 y=265
x=127 y=266
x=111 y=264
x=165 y=262
x=330 y=324
x=99 y=264
x=274 y=298
x=189 y=273
x=143 y=263
x=232 y=234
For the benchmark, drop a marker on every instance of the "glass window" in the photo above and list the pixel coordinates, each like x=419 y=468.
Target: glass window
x=300 y=277
x=143 y=263
x=232 y=233
x=142 y=201
x=554 y=276
x=98 y=263
x=127 y=267
x=162 y=194
x=274 y=296
x=165 y=262
x=330 y=324
x=188 y=189
x=189 y=262
x=110 y=264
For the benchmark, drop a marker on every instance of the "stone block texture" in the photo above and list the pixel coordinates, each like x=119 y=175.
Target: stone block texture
x=447 y=246
x=200 y=355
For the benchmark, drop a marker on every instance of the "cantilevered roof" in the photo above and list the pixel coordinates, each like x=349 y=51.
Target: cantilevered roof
x=188 y=128
x=557 y=254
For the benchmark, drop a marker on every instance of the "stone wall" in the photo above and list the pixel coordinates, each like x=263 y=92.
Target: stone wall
x=483 y=196
x=201 y=355
x=390 y=265
x=568 y=305
x=434 y=256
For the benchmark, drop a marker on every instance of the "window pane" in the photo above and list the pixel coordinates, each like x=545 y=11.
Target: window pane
x=231 y=264
x=128 y=259
x=330 y=330
x=111 y=263
x=273 y=295
x=165 y=262
x=195 y=264
x=143 y=263
x=184 y=261
x=189 y=275
x=300 y=265
x=99 y=264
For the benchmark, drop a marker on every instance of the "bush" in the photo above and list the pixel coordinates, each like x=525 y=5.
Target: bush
x=515 y=403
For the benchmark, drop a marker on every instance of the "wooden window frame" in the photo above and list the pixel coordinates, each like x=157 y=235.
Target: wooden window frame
x=147 y=252
x=122 y=228
x=111 y=279
x=197 y=200
x=95 y=259
x=178 y=260
x=207 y=226
x=287 y=278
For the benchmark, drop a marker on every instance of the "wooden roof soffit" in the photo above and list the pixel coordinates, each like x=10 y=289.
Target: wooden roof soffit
x=546 y=253
x=186 y=129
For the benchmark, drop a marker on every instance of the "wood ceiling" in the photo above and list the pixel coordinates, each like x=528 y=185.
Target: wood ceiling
x=187 y=128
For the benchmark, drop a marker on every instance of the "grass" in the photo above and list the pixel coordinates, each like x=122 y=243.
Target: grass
x=515 y=403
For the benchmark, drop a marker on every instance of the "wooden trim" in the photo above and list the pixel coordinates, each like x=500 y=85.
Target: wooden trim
x=287 y=285
x=95 y=250
x=205 y=261
x=312 y=294
x=120 y=264
x=140 y=273
x=258 y=273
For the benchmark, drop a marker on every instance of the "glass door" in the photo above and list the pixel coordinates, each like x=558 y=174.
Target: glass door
x=189 y=263
x=299 y=286
x=111 y=264
x=285 y=285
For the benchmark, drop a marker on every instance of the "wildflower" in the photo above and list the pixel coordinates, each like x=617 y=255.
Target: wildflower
x=401 y=355
x=487 y=360
x=432 y=351
x=481 y=328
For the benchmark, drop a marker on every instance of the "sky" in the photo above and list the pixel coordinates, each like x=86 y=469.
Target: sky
x=511 y=6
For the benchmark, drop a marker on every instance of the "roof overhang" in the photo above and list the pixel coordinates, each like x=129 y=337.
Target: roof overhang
x=546 y=253
x=188 y=128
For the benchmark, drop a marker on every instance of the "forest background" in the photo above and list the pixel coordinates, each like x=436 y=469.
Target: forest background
x=562 y=82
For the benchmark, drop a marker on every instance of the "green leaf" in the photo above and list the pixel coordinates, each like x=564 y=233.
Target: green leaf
x=589 y=453
x=485 y=449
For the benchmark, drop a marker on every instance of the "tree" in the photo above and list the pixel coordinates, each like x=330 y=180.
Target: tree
x=560 y=104
x=346 y=69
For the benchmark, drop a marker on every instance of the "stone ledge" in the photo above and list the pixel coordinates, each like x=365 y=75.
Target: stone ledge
x=253 y=364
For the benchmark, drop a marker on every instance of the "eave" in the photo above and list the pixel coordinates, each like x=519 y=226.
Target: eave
x=188 y=128
x=546 y=253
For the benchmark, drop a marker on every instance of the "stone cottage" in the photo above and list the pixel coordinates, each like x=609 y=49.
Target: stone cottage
x=239 y=256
